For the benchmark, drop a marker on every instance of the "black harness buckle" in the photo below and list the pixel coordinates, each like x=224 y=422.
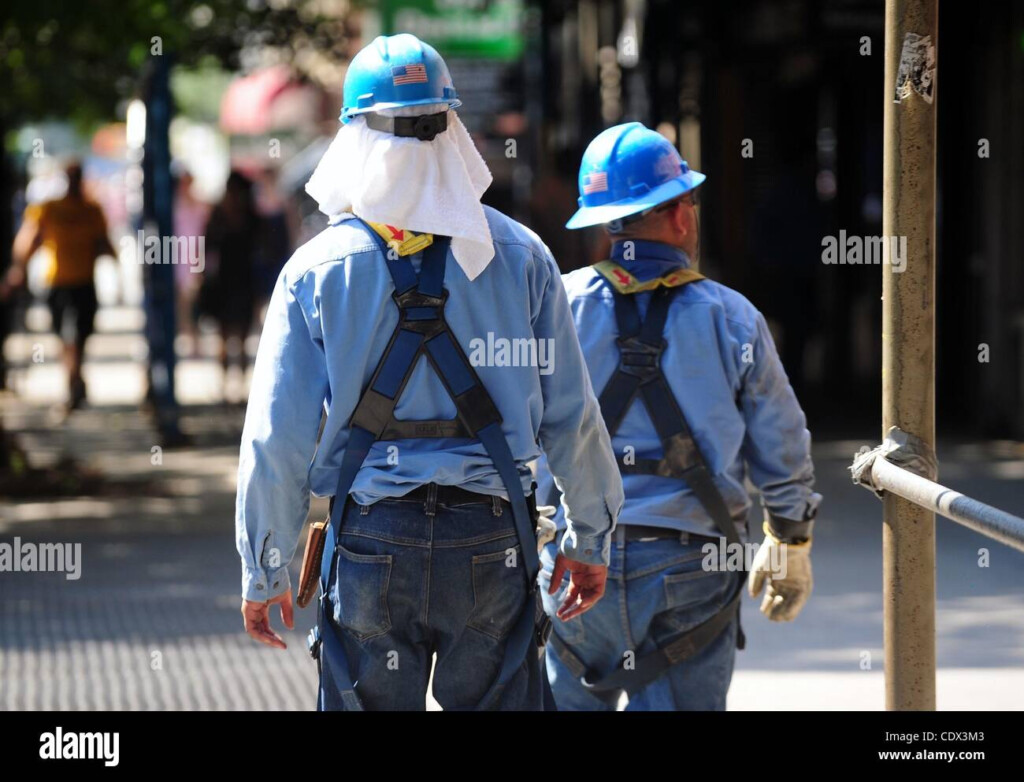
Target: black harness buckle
x=420 y=312
x=640 y=359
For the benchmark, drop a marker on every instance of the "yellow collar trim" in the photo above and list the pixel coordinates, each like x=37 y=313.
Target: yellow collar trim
x=624 y=282
x=404 y=241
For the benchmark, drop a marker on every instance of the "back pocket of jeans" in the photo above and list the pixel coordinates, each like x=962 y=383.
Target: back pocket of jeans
x=499 y=592
x=688 y=584
x=696 y=596
x=360 y=593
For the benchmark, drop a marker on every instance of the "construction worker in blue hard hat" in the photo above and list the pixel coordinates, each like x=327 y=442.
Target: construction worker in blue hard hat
x=435 y=335
x=694 y=396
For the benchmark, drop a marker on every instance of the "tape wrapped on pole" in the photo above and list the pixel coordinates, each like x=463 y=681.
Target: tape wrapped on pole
x=901 y=448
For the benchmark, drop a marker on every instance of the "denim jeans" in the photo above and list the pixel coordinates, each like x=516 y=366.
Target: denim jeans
x=656 y=589
x=411 y=579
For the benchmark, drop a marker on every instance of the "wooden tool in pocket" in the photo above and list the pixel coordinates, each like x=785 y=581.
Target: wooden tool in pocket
x=309 y=577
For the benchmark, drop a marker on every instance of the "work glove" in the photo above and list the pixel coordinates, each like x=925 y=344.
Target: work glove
x=786 y=569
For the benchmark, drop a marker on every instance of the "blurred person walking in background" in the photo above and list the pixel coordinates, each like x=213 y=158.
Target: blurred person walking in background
x=228 y=290
x=275 y=242
x=73 y=232
x=190 y=220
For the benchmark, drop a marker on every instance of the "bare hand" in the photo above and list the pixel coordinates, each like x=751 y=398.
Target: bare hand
x=14 y=280
x=257 y=619
x=586 y=586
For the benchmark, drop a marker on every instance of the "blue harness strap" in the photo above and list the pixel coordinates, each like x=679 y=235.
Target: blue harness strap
x=639 y=374
x=423 y=330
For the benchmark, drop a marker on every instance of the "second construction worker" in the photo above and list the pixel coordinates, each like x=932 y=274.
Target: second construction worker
x=694 y=395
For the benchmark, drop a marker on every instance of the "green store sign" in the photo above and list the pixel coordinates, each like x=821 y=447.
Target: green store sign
x=462 y=28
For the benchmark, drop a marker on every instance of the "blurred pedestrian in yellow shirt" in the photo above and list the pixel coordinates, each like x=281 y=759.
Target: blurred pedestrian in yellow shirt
x=73 y=231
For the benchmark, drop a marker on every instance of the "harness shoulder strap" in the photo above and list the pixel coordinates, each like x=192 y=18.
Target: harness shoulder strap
x=641 y=345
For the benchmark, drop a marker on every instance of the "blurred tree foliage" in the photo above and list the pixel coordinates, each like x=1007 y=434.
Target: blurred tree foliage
x=77 y=60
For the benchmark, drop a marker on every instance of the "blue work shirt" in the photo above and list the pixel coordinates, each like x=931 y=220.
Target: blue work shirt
x=723 y=368
x=328 y=323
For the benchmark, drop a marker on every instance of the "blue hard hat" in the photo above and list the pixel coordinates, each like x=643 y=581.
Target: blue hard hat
x=626 y=170
x=395 y=71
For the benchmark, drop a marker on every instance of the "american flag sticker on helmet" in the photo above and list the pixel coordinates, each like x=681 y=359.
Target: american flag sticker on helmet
x=597 y=182
x=409 y=74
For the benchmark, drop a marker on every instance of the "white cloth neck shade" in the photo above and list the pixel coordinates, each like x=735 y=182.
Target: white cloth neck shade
x=423 y=186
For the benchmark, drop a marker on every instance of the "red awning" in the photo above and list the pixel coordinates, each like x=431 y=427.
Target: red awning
x=266 y=100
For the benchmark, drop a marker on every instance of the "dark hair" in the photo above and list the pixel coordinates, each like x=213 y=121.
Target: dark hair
x=73 y=171
x=239 y=182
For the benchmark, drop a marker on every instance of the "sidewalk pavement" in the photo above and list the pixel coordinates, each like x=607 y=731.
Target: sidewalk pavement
x=154 y=623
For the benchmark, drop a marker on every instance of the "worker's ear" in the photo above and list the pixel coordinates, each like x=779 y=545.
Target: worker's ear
x=677 y=218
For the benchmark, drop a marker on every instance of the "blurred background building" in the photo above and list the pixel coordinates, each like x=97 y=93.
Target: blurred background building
x=803 y=82
x=778 y=101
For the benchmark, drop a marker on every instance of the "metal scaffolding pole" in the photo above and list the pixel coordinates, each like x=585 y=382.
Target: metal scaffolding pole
x=908 y=343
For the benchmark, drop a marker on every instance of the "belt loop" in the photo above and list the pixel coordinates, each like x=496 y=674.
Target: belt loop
x=430 y=506
x=496 y=508
x=684 y=538
x=364 y=510
x=620 y=536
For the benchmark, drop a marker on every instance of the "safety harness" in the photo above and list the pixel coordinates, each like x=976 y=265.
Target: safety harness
x=423 y=331
x=639 y=374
